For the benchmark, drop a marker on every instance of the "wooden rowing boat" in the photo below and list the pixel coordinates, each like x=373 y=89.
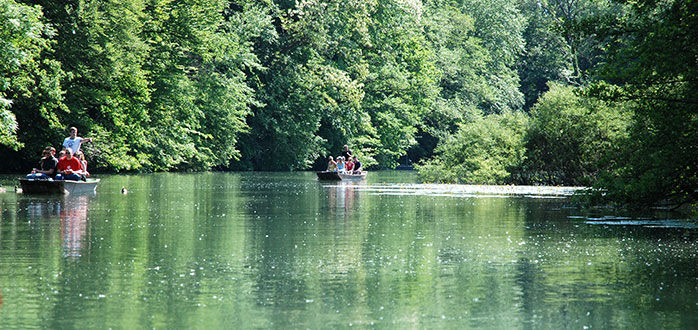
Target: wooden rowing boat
x=58 y=186
x=325 y=175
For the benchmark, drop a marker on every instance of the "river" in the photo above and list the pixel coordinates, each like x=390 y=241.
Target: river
x=282 y=250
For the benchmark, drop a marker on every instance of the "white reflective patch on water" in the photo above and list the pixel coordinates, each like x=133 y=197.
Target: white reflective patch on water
x=678 y=223
x=453 y=190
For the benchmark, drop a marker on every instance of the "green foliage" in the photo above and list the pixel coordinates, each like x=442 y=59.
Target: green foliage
x=484 y=151
x=560 y=45
x=300 y=89
x=402 y=83
x=29 y=83
x=200 y=96
x=545 y=57
x=652 y=48
x=339 y=72
x=572 y=138
x=279 y=85
x=499 y=25
x=474 y=45
x=158 y=85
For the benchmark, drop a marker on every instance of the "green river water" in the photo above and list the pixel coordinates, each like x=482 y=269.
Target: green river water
x=282 y=250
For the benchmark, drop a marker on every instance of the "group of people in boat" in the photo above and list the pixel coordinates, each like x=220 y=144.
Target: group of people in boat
x=70 y=164
x=347 y=163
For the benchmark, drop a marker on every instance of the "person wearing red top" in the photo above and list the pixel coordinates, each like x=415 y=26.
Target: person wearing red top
x=350 y=166
x=69 y=167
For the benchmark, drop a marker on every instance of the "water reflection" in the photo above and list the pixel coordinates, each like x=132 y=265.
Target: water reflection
x=280 y=250
x=73 y=217
x=69 y=210
x=340 y=197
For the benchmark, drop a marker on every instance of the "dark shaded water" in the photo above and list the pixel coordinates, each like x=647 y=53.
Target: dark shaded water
x=281 y=250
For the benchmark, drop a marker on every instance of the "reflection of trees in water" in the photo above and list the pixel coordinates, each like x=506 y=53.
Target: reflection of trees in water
x=42 y=209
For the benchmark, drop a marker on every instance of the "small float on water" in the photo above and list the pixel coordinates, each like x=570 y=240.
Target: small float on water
x=335 y=176
x=58 y=186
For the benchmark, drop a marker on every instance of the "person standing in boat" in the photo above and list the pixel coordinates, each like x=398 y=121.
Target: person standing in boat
x=357 y=166
x=69 y=167
x=347 y=154
x=47 y=165
x=73 y=142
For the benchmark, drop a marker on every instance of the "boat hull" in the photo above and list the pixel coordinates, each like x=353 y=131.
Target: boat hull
x=58 y=186
x=334 y=176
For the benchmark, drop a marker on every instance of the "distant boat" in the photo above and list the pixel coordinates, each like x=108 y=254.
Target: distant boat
x=58 y=186
x=330 y=175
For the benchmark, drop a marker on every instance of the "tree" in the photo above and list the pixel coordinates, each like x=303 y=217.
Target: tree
x=339 y=72
x=158 y=84
x=475 y=62
x=651 y=61
x=30 y=89
x=560 y=45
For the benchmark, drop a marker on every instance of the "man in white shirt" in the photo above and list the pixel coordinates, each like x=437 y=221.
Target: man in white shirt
x=73 y=142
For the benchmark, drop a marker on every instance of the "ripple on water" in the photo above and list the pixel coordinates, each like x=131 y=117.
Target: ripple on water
x=667 y=223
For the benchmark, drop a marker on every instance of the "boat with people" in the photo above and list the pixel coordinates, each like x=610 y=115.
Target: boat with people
x=346 y=167
x=65 y=174
x=30 y=186
x=336 y=176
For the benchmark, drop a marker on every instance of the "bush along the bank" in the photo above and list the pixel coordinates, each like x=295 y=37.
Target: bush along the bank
x=567 y=139
x=571 y=138
x=485 y=150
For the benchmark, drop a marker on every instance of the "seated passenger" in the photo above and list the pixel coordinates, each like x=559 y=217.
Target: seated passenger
x=80 y=156
x=69 y=167
x=340 y=164
x=357 y=166
x=350 y=166
x=47 y=165
x=331 y=165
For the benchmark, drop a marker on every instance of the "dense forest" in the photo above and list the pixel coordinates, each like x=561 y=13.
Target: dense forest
x=576 y=92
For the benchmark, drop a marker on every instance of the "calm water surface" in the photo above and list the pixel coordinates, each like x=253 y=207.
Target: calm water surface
x=282 y=250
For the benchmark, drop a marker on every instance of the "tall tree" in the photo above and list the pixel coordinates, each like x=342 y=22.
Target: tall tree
x=402 y=83
x=339 y=72
x=652 y=59
x=560 y=46
x=30 y=88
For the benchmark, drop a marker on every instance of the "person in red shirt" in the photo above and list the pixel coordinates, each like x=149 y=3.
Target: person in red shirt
x=69 y=167
x=349 y=166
